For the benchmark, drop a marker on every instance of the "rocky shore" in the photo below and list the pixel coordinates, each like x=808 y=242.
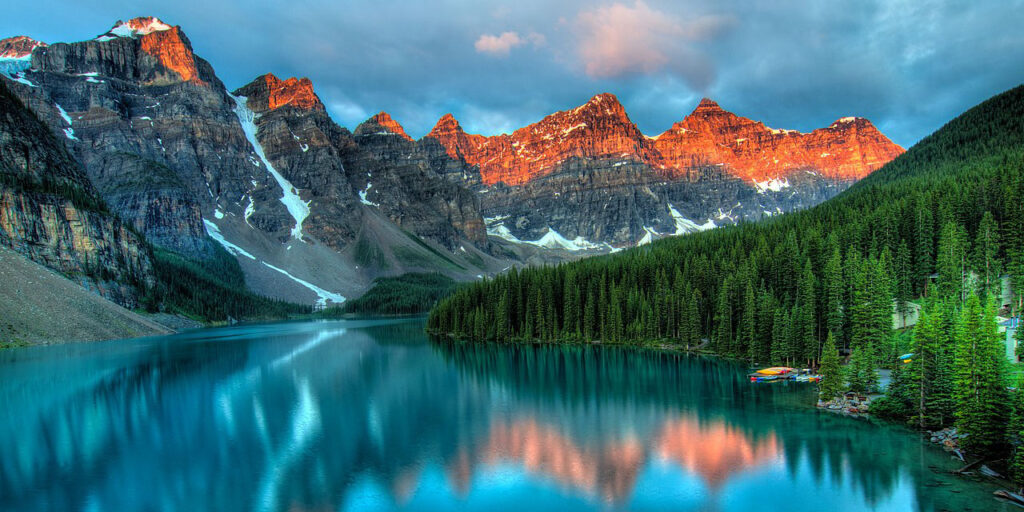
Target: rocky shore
x=850 y=404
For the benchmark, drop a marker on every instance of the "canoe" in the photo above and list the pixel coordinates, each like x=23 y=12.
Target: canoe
x=775 y=370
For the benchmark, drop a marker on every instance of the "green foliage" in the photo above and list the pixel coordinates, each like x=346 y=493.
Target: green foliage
x=881 y=248
x=831 y=383
x=929 y=373
x=861 y=372
x=979 y=380
x=211 y=290
x=898 y=400
x=1015 y=436
x=406 y=294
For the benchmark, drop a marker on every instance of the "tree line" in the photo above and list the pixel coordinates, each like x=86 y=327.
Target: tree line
x=941 y=225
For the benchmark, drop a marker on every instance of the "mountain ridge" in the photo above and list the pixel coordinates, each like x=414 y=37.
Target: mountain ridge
x=266 y=172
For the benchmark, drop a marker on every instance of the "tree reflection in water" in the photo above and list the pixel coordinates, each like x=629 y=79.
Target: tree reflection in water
x=369 y=415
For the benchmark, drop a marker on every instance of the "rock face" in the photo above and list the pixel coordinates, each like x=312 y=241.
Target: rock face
x=401 y=181
x=313 y=211
x=589 y=176
x=134 y=103
x=379 y=166
x=50 y=212
x=18 y=47
x=264 y=171
x=846 y=150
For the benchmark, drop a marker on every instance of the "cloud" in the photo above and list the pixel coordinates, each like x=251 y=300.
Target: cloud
x=500 y=46
x=620 y=40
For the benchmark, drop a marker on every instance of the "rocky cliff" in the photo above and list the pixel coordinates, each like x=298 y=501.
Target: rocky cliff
x=586 y=178
x=846 y=150
x=263 y=171
x=313 y=211
x=50 y=212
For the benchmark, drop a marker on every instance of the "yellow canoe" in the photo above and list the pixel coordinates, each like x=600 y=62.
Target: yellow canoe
x=775 y=370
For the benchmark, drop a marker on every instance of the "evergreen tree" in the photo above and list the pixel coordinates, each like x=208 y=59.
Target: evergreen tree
x=861 y=370
x=692 y=328
x=952 y=261
x=1015 y=437
x=903 y=291
x=833 y=285
x=748 y=325
x=831 y=383
x=985 y=259
x=924 y=245
x=807 y=347
x=924 y=370
x=979 y=384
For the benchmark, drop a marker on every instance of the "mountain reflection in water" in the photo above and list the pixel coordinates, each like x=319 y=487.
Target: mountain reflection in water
x=370 y=415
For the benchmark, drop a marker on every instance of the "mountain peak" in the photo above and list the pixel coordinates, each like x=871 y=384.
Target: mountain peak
x=844 y=122
x=707 y=106
x=135 y=27
x=602 y=98
x=18 y=47
x=268 y=92
x=382 y=123
x=604 y=104
x=446 y=125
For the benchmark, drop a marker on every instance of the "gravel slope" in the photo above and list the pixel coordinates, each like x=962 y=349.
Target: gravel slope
x=37 y=305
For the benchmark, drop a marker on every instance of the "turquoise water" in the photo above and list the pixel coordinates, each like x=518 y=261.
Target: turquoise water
x=371 y=415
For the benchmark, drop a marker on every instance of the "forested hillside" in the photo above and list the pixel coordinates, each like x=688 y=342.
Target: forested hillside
x=771 y=291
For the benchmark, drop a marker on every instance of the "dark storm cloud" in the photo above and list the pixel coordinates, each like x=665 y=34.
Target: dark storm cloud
x=907 y=65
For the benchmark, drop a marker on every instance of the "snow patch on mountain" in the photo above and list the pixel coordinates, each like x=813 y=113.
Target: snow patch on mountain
x=214 y=232
x=551 y=240
x=324 y=295
x=298 y=208
x=684 y=225
x=68 y=132
x=649 y=234
x=363 y=193
x=554 y=240
x=134 y=28
x=14 y=68
x=774 y=184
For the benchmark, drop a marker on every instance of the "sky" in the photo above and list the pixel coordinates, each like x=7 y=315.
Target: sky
x=907 y=65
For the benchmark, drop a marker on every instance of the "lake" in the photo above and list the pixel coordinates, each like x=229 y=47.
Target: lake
x=372 y=415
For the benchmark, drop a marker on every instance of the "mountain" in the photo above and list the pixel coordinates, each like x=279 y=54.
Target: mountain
x=50 y=212
x=590 y=176
x=263 y=172
x=772 y=291
x=314 y=212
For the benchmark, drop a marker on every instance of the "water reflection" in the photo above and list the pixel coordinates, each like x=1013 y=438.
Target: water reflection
x=370 y=416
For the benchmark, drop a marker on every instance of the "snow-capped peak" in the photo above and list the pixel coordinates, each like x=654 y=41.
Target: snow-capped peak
x=18 y=47
x=134 y=28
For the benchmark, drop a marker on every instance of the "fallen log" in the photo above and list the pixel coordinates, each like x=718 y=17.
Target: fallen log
x=1010 y=496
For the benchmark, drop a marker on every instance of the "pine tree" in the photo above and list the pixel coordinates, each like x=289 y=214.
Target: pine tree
x=985 y=259
x=924 y=246
x=1015 y=437
x=861 y=370
x=831 y=383
x=979 y=384
x=833 y=285
x=692 y=329
x=903 y=290
x=807 y=316
x=880 y=306
x=925 y=366
x=748 y=324
x=780 y=344
x=951 y=262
